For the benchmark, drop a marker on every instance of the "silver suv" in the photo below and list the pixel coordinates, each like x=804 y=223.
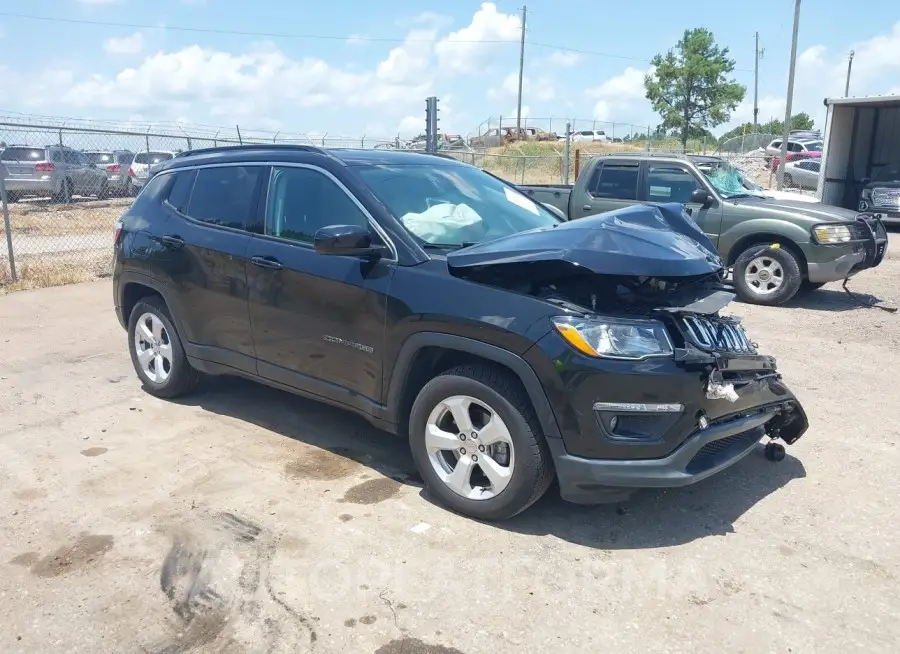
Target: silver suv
x=55 y=171
x=116 y=163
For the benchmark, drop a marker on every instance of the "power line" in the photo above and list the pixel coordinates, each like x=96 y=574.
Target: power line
x=318 y=37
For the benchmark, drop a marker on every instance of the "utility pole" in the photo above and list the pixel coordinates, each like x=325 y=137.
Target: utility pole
x=790 y=96
x=849 y=67
x=758 y=54
x=521 y=72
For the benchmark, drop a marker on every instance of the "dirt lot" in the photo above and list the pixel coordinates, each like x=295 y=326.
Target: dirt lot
x=248 y=520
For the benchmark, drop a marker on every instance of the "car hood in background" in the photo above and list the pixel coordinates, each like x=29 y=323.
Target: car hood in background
x=642 y=241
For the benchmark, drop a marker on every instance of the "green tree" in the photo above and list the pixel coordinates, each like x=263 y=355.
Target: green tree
x=798 y=121
x=689 y=86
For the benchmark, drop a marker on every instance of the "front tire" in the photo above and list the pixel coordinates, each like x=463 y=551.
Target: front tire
x=767 y=275
x=156 y=351
x=478 y=444
x=788 y=180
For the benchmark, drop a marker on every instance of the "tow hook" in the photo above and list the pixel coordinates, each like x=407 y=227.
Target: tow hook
x=774 y=451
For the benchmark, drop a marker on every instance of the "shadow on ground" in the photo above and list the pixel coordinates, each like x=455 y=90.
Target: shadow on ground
x=651 y=518
x=835 y=300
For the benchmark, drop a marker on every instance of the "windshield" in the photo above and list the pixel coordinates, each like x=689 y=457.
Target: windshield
x=100 y=157
x=729 y=181
x=453 y=206
x=152 y=157
x=888 y=174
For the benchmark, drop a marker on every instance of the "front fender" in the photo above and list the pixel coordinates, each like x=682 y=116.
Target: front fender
x=769 y=227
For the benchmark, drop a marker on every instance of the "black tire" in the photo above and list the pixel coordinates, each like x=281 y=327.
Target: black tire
x=129 y=191
x=182 y=378
x=809 y=286
x=66 y=192
x=788 y=180
x=103 y=193
x=791 y=275
x=533 y=468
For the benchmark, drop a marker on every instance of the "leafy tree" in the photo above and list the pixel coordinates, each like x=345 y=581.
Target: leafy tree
x=798 y=121
x=689 y=86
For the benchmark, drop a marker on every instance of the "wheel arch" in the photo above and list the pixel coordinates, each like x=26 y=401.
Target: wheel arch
x=767 y=238
x=427 y=354
x=133 y=287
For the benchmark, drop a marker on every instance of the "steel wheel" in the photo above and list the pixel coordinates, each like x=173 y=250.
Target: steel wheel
x=153 y=348
x=764 y=275
x=469 y=447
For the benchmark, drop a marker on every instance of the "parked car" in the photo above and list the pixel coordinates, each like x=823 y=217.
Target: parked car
x=881 y=195
x=576 y=355
x=793 y=156
x=116 y=164
x=816 y=243
x=794 y=145
x=55 y=171
x=589 y=135
x=140 y=170
x=802 y=174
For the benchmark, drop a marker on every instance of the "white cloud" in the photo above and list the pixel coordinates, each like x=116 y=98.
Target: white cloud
x=411 y=125
x=620 y=96
x=542 y=89
x=511 y=114
x=410 y=61
x=472 y=48
x=811 y=56
x=124 y=44
x=564 y=59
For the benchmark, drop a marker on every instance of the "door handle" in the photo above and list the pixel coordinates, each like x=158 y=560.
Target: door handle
x=173 y=242
x=586 y=207
x=265 y=262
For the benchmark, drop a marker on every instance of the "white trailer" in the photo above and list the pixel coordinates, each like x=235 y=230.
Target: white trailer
x=862 y=136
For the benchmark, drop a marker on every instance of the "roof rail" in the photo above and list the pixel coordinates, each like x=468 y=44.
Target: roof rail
x=255 y=146
x=667 y=155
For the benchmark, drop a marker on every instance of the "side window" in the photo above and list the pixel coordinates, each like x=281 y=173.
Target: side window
x=795 y=147
x=70 y=157
x=615 y=181
x=670 y=184
x=54 y=156
x=180 y=192
x=776 y=145
x=226 y=196
x=303 y=200
x=815 y=166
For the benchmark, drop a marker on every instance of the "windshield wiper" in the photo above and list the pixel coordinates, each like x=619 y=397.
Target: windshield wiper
x=448 y=246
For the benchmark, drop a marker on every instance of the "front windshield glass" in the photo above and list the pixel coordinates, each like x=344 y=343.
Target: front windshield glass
x=453 y=206
x=729 y=181
x=888 y=174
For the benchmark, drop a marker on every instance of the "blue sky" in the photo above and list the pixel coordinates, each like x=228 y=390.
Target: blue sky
x=352 y=86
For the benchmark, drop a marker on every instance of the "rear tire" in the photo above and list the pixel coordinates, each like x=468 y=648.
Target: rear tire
x=766 y=275
x=788 y=180
x=499 y=426
x=156 y=351
x=103 y=193
x=66 y=191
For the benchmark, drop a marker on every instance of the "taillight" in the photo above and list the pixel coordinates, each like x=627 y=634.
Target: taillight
x=113 y=168
x=131 y=172
x=44 y=168
x=118 y=230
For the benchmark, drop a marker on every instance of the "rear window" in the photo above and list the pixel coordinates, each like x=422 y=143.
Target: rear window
x=151 y=157
x=615 y=181
x=23 y=154
x=100 y=157
x=124 y=158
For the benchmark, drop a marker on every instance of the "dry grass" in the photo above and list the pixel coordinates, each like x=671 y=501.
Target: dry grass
x=43 y=219
x=41 y=271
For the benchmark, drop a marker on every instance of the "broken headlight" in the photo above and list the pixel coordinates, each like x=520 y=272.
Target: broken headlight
x=615 y=338
x=830 y=234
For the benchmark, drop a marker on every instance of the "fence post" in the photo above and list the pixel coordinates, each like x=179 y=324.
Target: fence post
x=240 y=140
x=4 y=200
x=648 y=138
x=566 y=153
x=60 y=138
x=147 y=139
x=216 y=138
x=189 y=144
x=362 y=142
x=577 y=161
x=397 y=142
x=323 y=138
x=500 y=129
x=614 y=132
x=275 y=138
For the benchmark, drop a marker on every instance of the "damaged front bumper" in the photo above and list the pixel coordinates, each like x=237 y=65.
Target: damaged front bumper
x=666 y=422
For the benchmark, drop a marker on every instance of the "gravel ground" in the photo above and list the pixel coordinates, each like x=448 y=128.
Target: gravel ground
x=247 y=520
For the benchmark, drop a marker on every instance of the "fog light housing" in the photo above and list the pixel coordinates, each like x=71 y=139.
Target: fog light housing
x=636 y=422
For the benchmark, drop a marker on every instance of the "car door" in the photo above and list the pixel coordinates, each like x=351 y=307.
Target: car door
x=212 y=211
x=74 y=170
x=808 y=175
x=93 y=176
x=318 y=320
x=673 y=182
x=613 y=185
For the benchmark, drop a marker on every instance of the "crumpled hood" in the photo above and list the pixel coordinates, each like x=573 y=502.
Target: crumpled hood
x=642 y=240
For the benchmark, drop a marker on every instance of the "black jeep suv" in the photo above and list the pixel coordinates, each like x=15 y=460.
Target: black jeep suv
x=509 y=346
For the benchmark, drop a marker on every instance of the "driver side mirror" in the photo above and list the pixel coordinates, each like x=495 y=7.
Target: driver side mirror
x=346 y=240
x=701 y=197
x=865 y=180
